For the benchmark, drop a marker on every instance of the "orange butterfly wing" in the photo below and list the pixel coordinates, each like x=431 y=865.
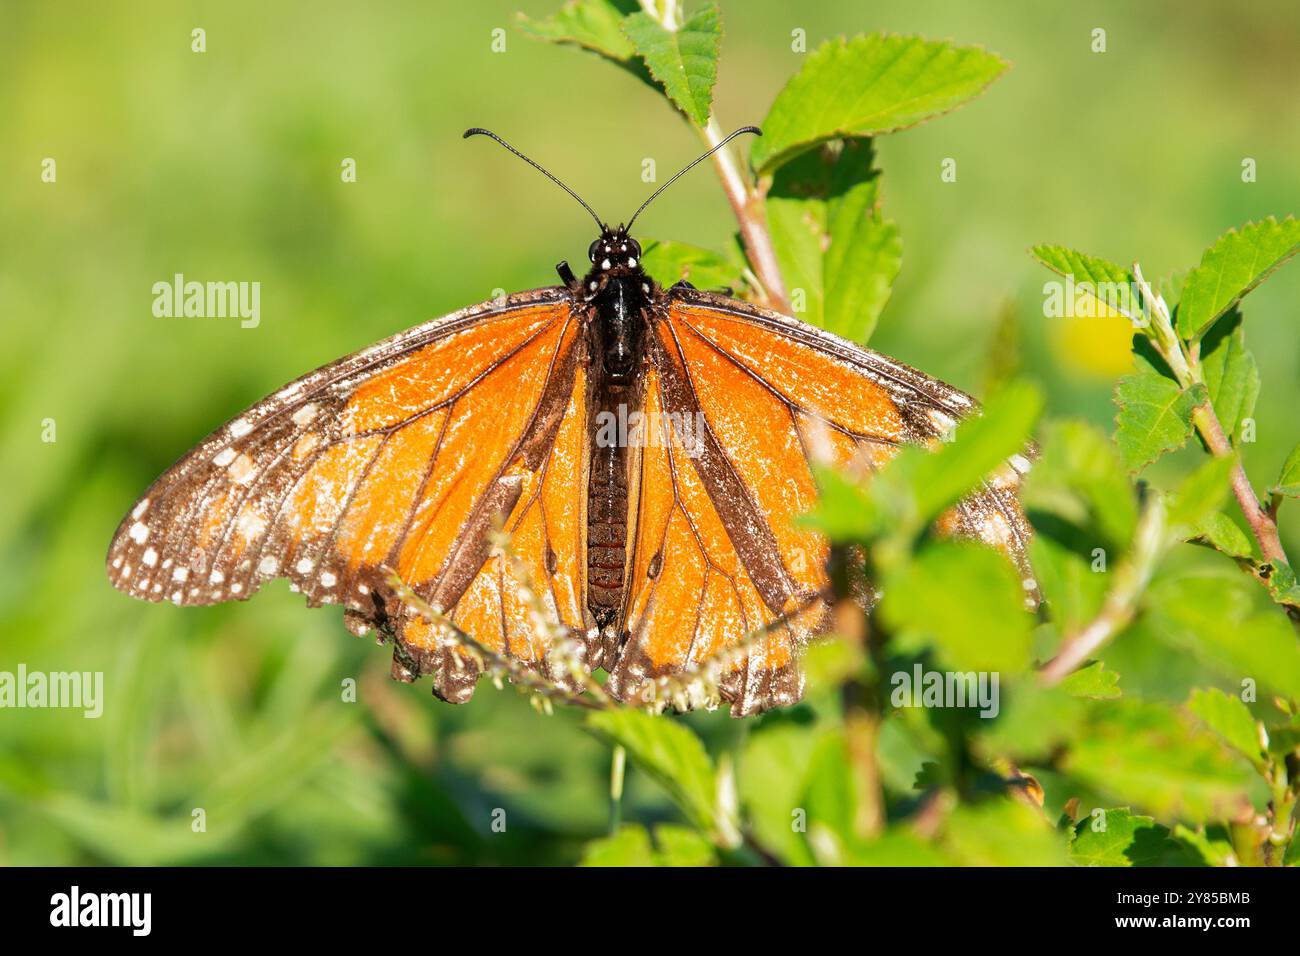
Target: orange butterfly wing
x=398 y=458
x=715 y=556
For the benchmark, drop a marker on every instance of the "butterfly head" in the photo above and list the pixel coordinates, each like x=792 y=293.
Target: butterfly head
x=614 y=251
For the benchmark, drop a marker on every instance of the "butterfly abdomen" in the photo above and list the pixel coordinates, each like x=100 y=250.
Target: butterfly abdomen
x=606 y=531
x=617 y=353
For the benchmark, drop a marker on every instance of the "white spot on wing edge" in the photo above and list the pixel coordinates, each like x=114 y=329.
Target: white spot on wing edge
x=240 y=427
x=139 y=509
x=224 y=457
x=139 y=532
x=242 y=470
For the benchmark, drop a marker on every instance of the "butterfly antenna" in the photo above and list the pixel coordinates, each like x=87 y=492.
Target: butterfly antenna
x=695 y=162
x=476 y=131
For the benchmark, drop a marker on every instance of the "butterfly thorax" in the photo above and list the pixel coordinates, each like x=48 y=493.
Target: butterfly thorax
x=620 y=293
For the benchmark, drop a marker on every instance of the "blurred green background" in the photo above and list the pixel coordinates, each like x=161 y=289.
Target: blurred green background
x=225 y=165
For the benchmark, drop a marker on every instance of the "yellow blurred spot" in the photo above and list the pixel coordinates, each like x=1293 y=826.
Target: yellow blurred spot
x=1095 y=345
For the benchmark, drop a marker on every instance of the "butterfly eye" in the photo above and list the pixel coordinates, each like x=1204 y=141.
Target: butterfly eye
x=593 y=249
x=634 y=249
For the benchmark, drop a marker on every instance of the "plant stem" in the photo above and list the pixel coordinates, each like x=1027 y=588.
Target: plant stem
x=861 y=701
x=747 y=205
x=1261 y=522
x=1187 y=369
x=746 y=199
x=862 y=731
x=1131 y=578
x=617 y=768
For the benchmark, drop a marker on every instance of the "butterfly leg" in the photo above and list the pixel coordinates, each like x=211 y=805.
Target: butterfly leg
x=682 y=284
x=565 y=273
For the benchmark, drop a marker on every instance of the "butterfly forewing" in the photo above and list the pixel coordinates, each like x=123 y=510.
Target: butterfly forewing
x=854 y=406
x=519 y=600
x=394 y=459
x=752 y=399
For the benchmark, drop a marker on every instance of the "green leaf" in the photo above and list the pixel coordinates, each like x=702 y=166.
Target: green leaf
x=1220 y=532
x=1149 y=755
x=668 y=262
x=1288 y=482
x=864 y=259
x=1230 y=719
x=1231 y=374
x=679 y=846
x=895 y=847
x=1282 y=585
x=1094 y=682
x=870 y=85
x=1001 y=832
x=595 y=25
x=1237 y=262
x=630 y=846
x=838 y=256
x=981 y=445
x=1063 y=558
x=1100 y=286
x=830 y=799
x=1079 y=478
x=831 y=663
x=1212 y=614
x=1033 y=721
x=1200 y=495
x=684 y=61
x=1120 y=837
x=670 y=754
x=845 y=511
x=1211 y=850
x=968 y=601
x=1155 y=414
x=773 y=769
x=1080 y=502
x=1170 y=287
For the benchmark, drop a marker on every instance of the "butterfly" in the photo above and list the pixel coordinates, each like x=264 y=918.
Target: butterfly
x=642 y=449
